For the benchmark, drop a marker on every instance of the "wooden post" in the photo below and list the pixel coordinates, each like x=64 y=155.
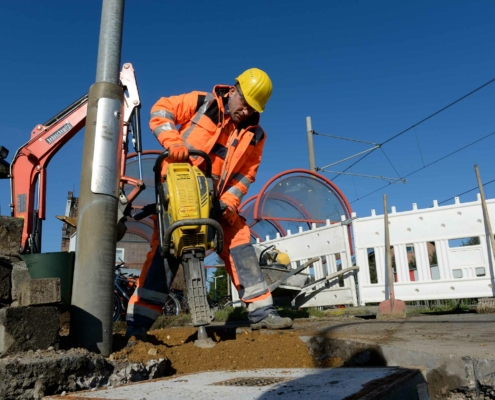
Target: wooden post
x=390 y=308
x=390 y=270
x=485 y=210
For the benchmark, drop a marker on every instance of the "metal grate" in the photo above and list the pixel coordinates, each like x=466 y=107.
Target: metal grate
x=196 y=239
x=251 y=382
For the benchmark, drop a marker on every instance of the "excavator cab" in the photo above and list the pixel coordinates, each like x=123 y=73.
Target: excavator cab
x=4 y=165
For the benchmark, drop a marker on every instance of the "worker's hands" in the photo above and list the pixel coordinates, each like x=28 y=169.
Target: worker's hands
x=229 y=212
x=178 y=152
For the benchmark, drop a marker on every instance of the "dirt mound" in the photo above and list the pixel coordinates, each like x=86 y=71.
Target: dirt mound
x=234 y=350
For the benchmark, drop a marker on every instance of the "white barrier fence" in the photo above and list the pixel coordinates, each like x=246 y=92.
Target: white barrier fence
x=429 y=262
x=439 y=253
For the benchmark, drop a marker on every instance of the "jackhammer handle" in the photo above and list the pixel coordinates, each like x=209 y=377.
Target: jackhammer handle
x=192 y=152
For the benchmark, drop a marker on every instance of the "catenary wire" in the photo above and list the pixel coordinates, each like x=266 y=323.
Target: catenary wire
x=419 y=123
x=467 y=191
x=419 y=147
x=393 y=166
x=426 y=166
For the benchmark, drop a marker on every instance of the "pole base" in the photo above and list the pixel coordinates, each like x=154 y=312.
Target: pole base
x=391 y=309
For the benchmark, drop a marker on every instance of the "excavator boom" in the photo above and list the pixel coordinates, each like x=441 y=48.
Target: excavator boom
x=28 y=169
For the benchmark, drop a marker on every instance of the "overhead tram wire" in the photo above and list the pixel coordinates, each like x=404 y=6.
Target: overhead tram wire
x=426 y=166
x=411 y=127
x=393 y=166
x=419 y=147
x=467 y=191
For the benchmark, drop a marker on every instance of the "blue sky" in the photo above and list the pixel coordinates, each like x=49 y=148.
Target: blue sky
x=361 y=69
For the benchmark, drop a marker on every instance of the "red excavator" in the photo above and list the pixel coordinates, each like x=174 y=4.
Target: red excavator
x=27 y=170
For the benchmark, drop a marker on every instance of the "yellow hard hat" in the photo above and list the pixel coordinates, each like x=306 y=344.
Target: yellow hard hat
x=256 y=87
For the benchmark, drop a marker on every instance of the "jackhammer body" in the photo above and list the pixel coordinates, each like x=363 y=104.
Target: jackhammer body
x=184 y=202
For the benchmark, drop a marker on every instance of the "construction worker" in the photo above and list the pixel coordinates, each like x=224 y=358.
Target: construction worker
x=225 y=125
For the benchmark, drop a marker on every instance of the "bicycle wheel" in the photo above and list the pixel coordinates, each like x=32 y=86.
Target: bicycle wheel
x=184 y=308
x=117 y=307
x=172 y=306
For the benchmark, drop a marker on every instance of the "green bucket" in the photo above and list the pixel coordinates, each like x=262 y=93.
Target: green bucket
x=53 y=265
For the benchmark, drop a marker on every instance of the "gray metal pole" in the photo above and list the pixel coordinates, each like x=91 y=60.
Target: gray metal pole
x=311 y=148
x=92 y=292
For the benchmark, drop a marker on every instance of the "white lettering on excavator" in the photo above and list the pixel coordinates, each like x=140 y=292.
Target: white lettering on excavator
x=61 y=132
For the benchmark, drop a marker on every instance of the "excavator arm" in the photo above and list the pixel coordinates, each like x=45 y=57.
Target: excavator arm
x=28 y=169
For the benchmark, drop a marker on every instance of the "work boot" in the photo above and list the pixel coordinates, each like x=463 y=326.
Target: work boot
x=273 y=321
x=138 y=332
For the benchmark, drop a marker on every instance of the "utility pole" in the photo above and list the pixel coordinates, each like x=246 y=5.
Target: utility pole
x=216 y=277
x=92 y=301
x=311 y=148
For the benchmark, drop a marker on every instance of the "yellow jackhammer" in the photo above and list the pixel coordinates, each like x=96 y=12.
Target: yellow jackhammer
x=184 y=201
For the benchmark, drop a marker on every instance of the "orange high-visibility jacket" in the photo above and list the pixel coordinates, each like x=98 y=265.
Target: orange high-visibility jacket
x=201 y=118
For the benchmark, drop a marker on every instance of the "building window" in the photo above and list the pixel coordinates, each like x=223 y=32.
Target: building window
x=119 y=255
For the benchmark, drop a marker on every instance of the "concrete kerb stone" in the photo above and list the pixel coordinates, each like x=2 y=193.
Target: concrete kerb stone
x=10 y=235
x=443 y=373
x=39 y=292
x=28 y=328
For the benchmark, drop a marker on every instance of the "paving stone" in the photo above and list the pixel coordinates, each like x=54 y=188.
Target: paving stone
x=10 y=235
x=44 y=291
x=28 y=328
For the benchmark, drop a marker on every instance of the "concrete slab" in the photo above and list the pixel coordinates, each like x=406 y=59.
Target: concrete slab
x=456 y=351
x=290 y=384
x=44 y=291
x=463 y=334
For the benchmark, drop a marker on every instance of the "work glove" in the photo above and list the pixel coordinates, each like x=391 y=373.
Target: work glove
x=178 y=152
x=229 y=212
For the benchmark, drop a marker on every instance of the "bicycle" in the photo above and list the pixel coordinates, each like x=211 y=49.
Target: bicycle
x=124 y=287
x=184 y=307
x=172 y=306
x=221 y=303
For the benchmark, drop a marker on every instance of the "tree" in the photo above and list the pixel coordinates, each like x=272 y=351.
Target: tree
x=433 y=258
x=473 y=241
x=221 y=284
x=372 y=268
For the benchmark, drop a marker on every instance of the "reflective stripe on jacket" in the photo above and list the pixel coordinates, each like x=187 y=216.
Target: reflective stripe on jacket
x=201 y=117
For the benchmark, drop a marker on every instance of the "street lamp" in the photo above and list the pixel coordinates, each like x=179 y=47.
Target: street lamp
x=216 y=277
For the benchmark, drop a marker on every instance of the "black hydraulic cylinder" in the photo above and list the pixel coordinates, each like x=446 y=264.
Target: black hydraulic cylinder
x=138 y=147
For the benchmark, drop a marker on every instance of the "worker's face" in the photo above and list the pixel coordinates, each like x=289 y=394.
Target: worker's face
x=238 y=107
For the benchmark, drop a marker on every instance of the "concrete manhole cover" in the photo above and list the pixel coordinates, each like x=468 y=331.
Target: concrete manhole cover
x=251 y=382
